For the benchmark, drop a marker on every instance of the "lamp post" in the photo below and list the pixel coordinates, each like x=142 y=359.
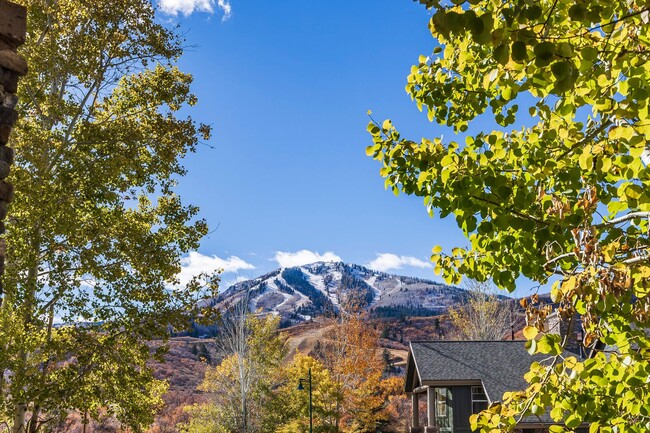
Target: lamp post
x=300 y=388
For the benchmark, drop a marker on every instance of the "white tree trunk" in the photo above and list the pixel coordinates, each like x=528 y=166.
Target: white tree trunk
x=19 y=418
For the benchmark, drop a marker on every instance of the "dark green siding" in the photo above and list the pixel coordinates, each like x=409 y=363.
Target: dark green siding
x=462 y=403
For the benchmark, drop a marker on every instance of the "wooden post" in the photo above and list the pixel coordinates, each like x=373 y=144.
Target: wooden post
x=13 y=28
x=415 y=410
x=431 y=406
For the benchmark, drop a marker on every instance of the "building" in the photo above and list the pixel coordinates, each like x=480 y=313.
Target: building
x=458 y=378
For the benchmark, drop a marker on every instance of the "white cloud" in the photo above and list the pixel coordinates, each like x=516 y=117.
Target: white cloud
x=303 y=257
x=226 y=284
x=195 y=263
x=224 y=5
x=188 y=7
x=387 y=261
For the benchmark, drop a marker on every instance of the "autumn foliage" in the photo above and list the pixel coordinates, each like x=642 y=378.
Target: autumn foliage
x=350 y=390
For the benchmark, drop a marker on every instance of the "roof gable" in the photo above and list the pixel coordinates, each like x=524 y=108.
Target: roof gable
x=412 y=376
x=499 y=365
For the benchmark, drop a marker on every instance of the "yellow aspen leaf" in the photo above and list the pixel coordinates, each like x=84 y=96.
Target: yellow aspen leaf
x=530 y=332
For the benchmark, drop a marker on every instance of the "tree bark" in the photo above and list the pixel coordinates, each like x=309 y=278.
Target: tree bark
x=33 y=421
x=244 y=413
x=19 y=425
x=19 y=418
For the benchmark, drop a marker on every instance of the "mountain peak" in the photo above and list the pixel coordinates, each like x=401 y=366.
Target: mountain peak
x=300 y=293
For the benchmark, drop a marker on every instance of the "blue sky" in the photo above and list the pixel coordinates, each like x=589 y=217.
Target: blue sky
x=286 y=86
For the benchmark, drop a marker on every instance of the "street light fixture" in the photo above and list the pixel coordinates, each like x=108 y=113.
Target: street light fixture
x=301 y=388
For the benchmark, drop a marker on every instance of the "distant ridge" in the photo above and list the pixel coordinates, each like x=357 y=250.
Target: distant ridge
x=301 y=293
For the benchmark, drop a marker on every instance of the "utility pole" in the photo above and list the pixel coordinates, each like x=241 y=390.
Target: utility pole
x=311 y=407
x=512 y=321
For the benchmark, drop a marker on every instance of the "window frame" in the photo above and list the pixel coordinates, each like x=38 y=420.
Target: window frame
x=481 y=397
x=441 y=403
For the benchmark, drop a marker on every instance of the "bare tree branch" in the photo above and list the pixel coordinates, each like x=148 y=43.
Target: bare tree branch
x=624 y=218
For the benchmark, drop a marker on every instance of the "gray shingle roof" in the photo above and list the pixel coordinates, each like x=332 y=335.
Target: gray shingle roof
x=499 y=365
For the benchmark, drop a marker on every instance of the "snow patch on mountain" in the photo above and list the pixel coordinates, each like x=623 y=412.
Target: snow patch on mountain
x=301 y=292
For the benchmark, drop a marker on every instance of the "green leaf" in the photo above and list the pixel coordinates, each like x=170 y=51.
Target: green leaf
x=589 y=53
x=502 y=54
x=561 y=69
x=549 y=344
x=544 y=52
x=475 y=25
x=573 y=421
x=633 y=192
x=577 y=12
x=533 y=12
x=518 y=49
x=556 y=414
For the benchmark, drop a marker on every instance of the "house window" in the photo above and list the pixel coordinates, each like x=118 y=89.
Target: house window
x=441 y=402
x=479 y=399
x=443 y=410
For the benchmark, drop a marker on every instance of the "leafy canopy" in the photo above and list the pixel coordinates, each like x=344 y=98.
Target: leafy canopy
x=559 y=187
x=350 y=392
x=95 y=232
x=242 y=388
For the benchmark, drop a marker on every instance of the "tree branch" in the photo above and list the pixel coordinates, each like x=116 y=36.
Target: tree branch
x=558 y=258
x=513 y=212
x=597 y=27
x=548 y=17
x=635 y=260
x=588 y=138
x=624 y=218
